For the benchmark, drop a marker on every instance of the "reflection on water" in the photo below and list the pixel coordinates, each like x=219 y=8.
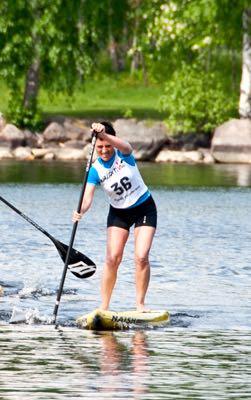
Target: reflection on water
x=117 y=359
x=44 y=363
x=195 y=175
x=154 y=174
x=243 y=175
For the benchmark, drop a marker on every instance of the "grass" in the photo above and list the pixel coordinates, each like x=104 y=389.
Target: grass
x=100 y=98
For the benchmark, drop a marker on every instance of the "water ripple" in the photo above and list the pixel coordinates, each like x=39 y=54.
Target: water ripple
x=200 y=273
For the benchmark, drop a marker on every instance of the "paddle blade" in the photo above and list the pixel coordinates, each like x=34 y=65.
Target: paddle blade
x=80 y=265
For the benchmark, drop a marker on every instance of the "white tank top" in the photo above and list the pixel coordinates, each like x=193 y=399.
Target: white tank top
x=122 y=182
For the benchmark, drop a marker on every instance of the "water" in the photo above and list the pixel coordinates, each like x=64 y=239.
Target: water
x=200 y=273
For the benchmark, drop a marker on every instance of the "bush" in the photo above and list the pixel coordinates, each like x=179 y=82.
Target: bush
x=22 y=117
x=197 y=101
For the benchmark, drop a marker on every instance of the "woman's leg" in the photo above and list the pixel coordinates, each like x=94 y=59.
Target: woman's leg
x=143 y=241
x=116 y=240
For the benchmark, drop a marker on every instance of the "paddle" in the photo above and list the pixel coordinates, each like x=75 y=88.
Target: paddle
x=80 y=265
x=74 y=229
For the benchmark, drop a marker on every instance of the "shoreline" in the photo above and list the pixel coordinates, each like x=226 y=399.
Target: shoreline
x=24 y=153
x=67 y=139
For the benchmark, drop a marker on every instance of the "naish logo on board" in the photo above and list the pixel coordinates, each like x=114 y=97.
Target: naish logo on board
x=127 y=320
x=116 y=168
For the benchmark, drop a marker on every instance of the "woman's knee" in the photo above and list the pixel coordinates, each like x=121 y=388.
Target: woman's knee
x=113 y=260
x=142 y=261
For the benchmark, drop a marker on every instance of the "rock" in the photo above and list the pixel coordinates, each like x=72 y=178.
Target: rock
x=70 y=154
x=167 y=155
x=146 y=140
x=77 y=129
x=231 y=142
x=1 y=291
x=67 y=130
x=52 y=145
x=194 y=156
x=4 y=144
x=5 y=153
x=87 y=151
x=74 y=144
x=12 y=135
x=40 y=153
x=33 y=139
x=23 y=153
x=55 y=133
x=206 y=156
x=49 y=156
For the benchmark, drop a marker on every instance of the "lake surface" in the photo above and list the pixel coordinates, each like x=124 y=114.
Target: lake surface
x=201 y=273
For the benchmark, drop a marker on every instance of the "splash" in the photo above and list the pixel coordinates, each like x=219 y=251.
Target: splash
x=36 y=292
x=28 y=316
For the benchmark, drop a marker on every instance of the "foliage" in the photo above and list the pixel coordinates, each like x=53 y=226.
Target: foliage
x=192 y=48
x=203 y=40
x=24 y=117
x=196 y=101
x=51 y=33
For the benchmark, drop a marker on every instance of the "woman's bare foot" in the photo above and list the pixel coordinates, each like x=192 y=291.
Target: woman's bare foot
x=142 y=308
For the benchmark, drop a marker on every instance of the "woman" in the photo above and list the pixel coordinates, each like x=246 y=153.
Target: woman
x=130 y=204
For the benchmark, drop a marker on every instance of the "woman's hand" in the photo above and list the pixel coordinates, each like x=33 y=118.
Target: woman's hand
x=99 y=128
x=76 y=217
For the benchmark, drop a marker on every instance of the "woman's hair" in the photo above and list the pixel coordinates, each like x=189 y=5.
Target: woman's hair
x=108 y=128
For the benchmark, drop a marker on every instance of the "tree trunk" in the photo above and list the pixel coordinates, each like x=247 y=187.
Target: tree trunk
x=112 y=48
x=32 y=84
x=113 y=53
x=245 y=95
x=234 y=80
x=124 y=47
x=144 y=70
x=135 y=55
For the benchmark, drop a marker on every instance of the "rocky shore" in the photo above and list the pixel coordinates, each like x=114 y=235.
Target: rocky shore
x=69 y=139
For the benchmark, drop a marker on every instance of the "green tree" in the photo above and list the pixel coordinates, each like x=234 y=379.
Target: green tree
x=43 y=43
x=192 y=47
x=203 y=39
x=195 y=48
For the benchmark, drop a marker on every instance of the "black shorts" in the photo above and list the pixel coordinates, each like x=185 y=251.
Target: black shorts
x=145 y=214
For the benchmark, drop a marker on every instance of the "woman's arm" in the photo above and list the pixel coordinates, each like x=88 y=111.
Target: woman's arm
x=86 y=204
x=120 y=144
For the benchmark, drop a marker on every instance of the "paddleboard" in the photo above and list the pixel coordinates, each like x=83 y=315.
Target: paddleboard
x=111 y=320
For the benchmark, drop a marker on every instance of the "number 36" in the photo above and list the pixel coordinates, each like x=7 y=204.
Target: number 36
x=125 y=185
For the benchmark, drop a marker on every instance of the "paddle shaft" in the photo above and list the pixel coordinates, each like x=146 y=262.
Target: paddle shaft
x=62 y=248
x=74 y=229
x=28 y=219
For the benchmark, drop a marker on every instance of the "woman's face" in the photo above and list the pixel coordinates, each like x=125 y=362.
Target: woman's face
x=104 y=149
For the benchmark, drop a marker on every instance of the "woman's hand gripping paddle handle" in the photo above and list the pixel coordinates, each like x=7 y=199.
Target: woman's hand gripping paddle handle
x=74 y=229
